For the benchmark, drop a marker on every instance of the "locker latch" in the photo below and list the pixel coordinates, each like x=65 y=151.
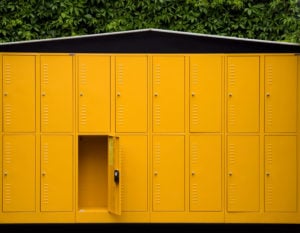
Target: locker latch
x=116 y=176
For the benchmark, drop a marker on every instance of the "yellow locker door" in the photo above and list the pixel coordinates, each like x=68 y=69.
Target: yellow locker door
x=280 y=173
x=134 y=163
x=205 y=93
x=205 y=173
x=57 y=173
x=280 y=93
x=94 y=93
x=243 y=173
x=114 y=173
x=18 y=173
x=168 y=173
x=56 y=93
x=243 y=94
x=19 y=93
x=131 y=94
x=168 y=93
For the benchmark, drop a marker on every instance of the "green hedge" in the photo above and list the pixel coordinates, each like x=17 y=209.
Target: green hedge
x=277 y=20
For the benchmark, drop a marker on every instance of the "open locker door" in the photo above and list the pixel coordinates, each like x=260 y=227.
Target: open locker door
x=114 y=181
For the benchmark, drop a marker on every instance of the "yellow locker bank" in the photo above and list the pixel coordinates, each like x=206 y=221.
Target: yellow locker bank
x=150 y=126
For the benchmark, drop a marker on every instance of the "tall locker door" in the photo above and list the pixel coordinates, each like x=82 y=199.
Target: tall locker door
x=134 y=163
x=57 y=173
x=19 y=93
x=205 y=93
x=280 y=173
x=243 y=94
x=56 y=91
x=114 y=180
x=280 y=93
x=168 y=94
x=168 y=173
x=205 y=173
x=243 y=173
x=131 y=94
x=18 y=173
x=94 y=93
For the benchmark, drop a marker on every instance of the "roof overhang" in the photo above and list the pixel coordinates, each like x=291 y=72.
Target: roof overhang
x=150 y=41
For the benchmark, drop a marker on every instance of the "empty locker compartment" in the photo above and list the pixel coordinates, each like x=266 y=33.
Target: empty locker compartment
x=98 y=174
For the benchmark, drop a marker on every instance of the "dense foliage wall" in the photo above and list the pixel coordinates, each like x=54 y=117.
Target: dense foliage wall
x=277 y=20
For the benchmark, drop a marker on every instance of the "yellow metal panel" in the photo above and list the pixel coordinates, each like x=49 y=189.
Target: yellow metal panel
x=280 y=173
x=1 y=168
x=168 y=94
x=18 y=173
x=57 y=173
x=131 y=94
x=168 y=173
x=56 y=93
x=19 y=93
x=133 y=153
x=114 y=171
x=205 y=93
x=280 y=93
x=94 y=93
x=243 y=94
x=205 y=173
x=243 y=173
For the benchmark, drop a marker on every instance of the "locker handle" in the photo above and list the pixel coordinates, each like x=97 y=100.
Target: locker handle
x=5 y=94
x=118 y=94
x=43 y=94
x=193 y=173
x=230 y=173
x=193 y=94
x=43 y=173
x=81 y=94
x=155 y=173
x=116 y=176
x=267 y=173
x=268 y=94
x=155 y=94
x=230 y=94
x=5 y=173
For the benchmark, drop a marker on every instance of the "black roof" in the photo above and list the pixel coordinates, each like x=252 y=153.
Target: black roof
x=150 y=41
